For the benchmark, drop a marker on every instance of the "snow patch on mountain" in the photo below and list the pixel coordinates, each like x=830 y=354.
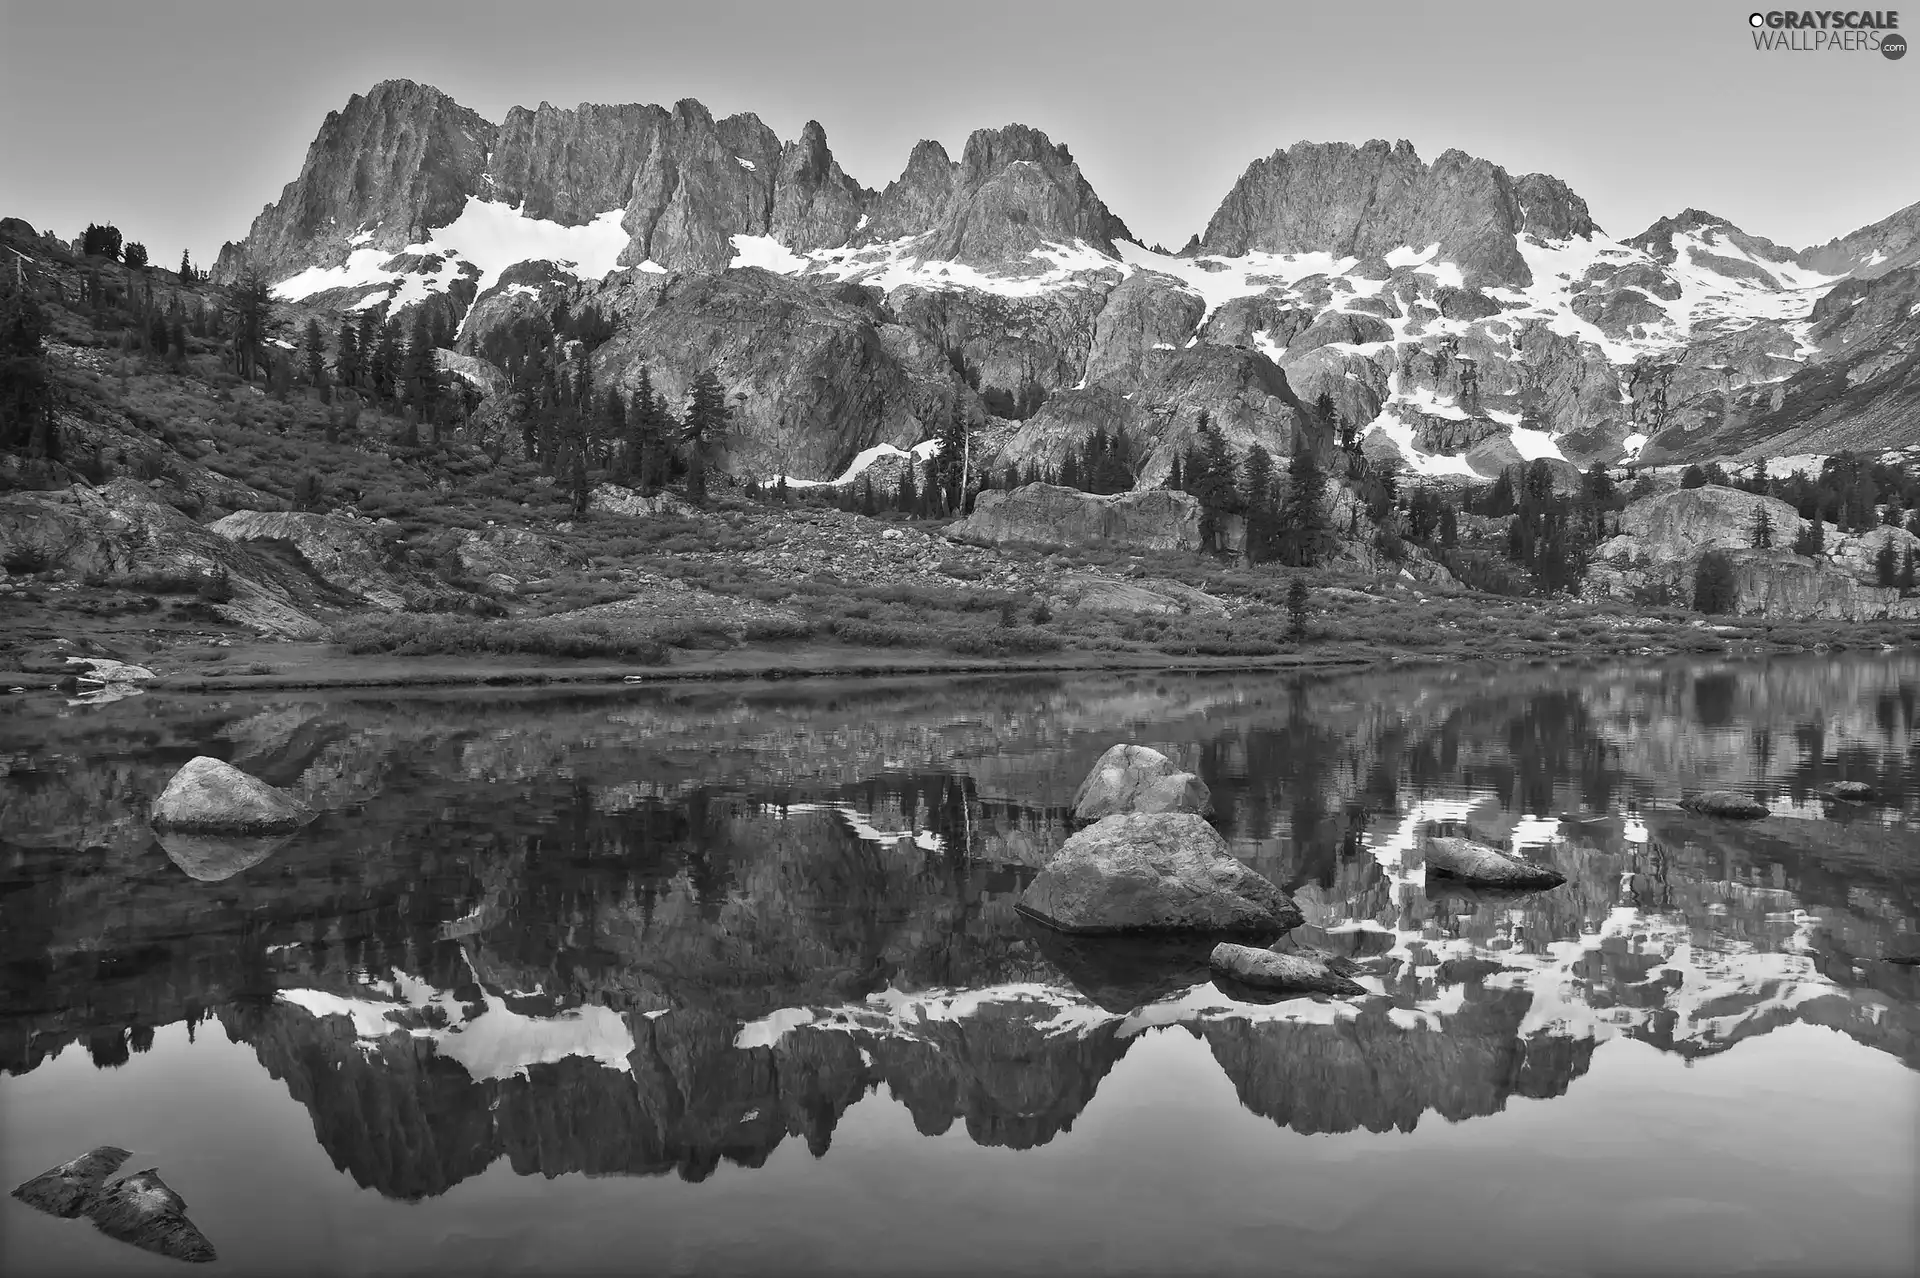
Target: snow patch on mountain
x=489 y=235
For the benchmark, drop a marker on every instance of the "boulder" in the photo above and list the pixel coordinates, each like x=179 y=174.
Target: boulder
x=65 y=1190
x=1130 y=778
x=1048 y=514
x=1154 y=873
x=1488 y=867
x=105 y=670
x=1293 y=973
x=209 y=796
x=347 y=554
x=141 y=1209
x=1726 y=803
x=1853 y=791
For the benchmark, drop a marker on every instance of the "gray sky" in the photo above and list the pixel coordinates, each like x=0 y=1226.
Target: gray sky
x=177 y=121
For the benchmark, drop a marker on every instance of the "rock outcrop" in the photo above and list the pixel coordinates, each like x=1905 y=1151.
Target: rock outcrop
x=1662 y=539
x=1366 y=201
x=347 y=554
x=209 y=796
x=1047 y=514
x=1154 y=874
x=1478 y=864
x=1130 y=778
x=1287 y=973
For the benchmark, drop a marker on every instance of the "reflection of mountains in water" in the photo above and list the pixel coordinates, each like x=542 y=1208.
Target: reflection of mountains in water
x=579 y=938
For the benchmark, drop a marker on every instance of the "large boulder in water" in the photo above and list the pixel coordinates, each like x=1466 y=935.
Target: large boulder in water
x=1477 y=863
x=66 y=1190
x=141 y=1209
x=1298 y=972
x=1155 y=873
x=214 y=797
x=1726 y=803
x=1130 y=778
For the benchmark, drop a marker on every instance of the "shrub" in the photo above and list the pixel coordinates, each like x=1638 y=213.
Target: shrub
x=26 y=559
x=777 y=629
x=439 y=634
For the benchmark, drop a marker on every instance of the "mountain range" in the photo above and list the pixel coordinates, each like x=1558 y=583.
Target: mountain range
x=1461 y=318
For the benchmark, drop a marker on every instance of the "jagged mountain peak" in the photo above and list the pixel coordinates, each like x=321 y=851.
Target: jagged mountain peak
x=1368 y=200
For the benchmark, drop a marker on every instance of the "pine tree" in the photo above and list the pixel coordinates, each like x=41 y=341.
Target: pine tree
x=27 y=423
x=1693 y=477
x=953 y=463
x=135 y=256
x=1906 y=572
x=700 y=433
x=1886 y=563
x=1298 y=598
x=1811 y=541
x=250 y=308
x=1174 y=480
x=1762 y=533
x=905 y=499
x=187 y=275
x=346 y=358
x=1713 y=583
x=869 y=506
x=421 y=372
x=316 y=354
x=1449 y=528
x=1302 y=528
x=578 y=481
x=1259 y=496
x=386 y=358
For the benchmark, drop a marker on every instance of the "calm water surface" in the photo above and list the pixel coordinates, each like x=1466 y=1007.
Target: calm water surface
x=717 y=979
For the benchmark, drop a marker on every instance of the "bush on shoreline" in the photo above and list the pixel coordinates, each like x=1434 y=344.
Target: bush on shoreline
x=438 y=634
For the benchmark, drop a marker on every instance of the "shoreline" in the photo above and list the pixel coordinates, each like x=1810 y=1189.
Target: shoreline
x=324 y=667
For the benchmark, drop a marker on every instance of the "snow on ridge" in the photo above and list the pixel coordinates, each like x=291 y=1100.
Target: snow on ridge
x=489 y=235
x=744 y=163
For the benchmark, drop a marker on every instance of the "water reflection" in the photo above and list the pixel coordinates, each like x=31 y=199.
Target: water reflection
x=653 y=931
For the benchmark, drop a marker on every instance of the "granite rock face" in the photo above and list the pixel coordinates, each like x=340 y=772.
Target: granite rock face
x=1044 y=514
x=399 y=161
x=1366 y=201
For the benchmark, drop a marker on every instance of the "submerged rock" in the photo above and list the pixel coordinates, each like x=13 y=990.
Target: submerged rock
x=1298 y=971
x=1853 y=791
x=1726 y=803
x=210 y=796
x=66 y=1189
x=1154 y=872
x=1130 y=778
x=1479 y=864
x=141 y=1209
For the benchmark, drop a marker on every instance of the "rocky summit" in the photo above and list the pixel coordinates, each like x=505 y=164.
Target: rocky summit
x=1461 y=319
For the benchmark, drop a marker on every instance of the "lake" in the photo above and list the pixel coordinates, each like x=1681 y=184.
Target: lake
x=706 y=978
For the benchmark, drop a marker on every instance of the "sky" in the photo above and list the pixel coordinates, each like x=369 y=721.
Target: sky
x=178 y=121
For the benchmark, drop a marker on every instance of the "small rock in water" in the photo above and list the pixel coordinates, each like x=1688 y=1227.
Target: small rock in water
x=1853 y=791
x=65 y=1190
x=1477 y=863
x=1726 y=803
x=208 y=795
x=1297 y=972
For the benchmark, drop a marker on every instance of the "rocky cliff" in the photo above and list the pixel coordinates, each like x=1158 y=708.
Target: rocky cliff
x=1663 y=538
